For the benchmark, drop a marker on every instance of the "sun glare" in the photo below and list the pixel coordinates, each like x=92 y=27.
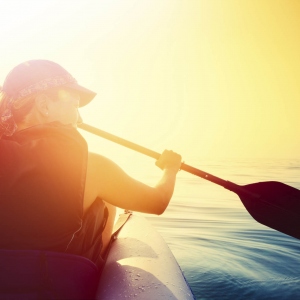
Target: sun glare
x=206 y=78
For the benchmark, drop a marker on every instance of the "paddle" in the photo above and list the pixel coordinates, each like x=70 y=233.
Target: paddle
x=271 y=203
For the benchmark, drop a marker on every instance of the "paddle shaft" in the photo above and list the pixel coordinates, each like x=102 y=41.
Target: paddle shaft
x=226 y=184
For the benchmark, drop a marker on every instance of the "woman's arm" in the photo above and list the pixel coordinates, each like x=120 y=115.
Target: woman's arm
x=108 y=181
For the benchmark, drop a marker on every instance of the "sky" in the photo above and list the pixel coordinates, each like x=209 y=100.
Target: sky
x=206 y=78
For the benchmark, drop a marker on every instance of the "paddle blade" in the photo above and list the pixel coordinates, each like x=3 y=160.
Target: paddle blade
x=277 y=207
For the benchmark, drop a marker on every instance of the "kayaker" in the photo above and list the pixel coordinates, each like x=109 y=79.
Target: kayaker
x=55 y=195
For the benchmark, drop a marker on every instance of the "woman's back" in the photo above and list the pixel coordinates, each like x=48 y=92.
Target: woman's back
x=42 y=171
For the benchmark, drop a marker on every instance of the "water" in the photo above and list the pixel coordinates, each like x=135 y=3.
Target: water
x=223 y=252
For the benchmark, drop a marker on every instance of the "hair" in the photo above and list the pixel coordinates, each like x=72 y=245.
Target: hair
x=15 y=113
x=22 y=107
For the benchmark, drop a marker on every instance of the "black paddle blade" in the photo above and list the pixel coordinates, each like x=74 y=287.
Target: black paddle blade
x=277 y=207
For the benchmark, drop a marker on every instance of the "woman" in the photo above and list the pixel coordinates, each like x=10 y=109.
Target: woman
x=54 y=194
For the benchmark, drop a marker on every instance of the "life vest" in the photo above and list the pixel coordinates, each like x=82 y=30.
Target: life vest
x=42 y=181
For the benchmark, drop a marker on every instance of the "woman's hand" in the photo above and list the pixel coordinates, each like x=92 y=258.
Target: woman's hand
x=169 y=160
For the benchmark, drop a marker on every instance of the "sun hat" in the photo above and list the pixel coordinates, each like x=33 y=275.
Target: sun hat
x=32 y=77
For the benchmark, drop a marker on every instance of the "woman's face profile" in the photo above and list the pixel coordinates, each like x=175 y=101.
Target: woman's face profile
x=64 y=107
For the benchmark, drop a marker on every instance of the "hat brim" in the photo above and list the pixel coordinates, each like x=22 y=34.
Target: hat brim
x=86 y=95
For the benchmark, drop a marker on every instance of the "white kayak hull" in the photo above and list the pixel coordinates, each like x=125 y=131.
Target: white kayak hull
x=140 y=265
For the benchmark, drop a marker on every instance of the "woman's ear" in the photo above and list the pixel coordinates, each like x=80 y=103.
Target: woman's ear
x=41 y=103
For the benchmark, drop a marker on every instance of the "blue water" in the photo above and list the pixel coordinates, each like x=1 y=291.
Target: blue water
x=223 y=252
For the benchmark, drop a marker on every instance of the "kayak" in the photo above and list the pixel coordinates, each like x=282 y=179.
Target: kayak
x=139 y=265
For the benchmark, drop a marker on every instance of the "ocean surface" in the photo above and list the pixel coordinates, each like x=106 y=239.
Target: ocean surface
x=223 y=252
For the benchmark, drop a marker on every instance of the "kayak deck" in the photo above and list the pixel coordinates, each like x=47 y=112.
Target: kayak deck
x=141 y=265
